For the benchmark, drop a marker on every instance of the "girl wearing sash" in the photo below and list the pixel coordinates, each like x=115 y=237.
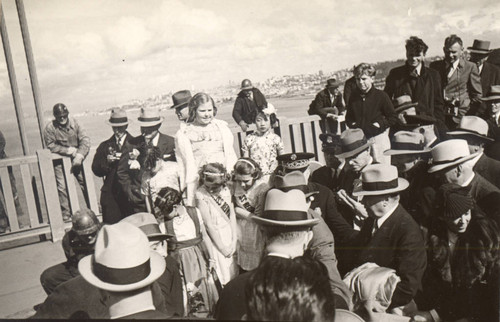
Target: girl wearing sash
x=192 y=249
x=213 y=199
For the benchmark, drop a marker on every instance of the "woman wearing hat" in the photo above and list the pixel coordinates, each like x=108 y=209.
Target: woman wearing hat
x=203 y=140
x=462 y=276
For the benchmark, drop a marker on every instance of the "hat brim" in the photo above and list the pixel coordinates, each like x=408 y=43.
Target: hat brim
x=182 y=105
x=150 y=123
x=157 y=263
x=438 y=167
x=402 y=185
x=246 y=88
x=398 y=152
x=117 y=124
x=405 y=106
x=491 y=98
x=296 y=223
x=477 y=135
x=479 y=51
x=354 y=152
x=159 y=236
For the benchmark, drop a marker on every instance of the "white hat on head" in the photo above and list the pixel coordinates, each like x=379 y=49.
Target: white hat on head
x=149 y=117
x=450 y=153
x=380 y=179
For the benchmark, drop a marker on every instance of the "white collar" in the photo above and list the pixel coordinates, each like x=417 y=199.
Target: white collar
x=121 y=140
x=466 y=183
x=418 y=69
x=381 y=220
x=155 y=140
x=280 y=255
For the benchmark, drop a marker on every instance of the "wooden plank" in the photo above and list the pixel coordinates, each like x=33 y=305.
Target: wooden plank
x=307 y=135
x=71 y=183
x=285 y=136
x=18 y=161
x=88 y=176
x=317 y=131
x=24 y=233
x=10 y=207
x=296 y=138
x=30 y=197
x=50 y=192
x=237 y=144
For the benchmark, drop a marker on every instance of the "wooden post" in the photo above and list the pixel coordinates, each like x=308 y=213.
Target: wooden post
x=13 y=82
x=31 y=66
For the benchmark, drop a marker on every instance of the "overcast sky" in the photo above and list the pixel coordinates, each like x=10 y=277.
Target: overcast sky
x=93 y=54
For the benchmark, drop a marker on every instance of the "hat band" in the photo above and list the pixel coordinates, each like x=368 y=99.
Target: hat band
x=447 y=161
x=118 y=120
x=121 y=276
x=149 y=119
x=301 y=187
x=354 y=145
x=380 y=185
x=151 y=229
x=407 y=146
x=285 y=215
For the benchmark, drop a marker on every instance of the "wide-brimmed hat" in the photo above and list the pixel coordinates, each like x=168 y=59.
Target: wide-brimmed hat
x=406 y=142
x=332 y=83
x=149 y=117
x=122 y=260
x=352 y=142
x=472 y=126
x=380 y=179
x=293 y=180
x=246 y=85
x=480 y=47
x=330 y=142
x=286 y=209
x=118 y=117
x=148 y=224
x=403 y=102
x=449 y=153
x=493 y=94
x=419 y=120
x=181 y=99
x=295 y=161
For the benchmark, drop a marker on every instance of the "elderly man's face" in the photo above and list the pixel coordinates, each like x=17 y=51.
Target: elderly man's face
x=414 y=59
x=149 y=132
x=453 y=53
x=375 y=205
x=478 y=59
x=119 y=130
x=494 y=106
x=364 y=82
x=449 y=175
x=358 y=161
x=62 y=119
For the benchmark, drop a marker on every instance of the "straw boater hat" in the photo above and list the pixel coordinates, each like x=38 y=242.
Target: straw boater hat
x=493 y=94
x=352 y=142
x=406 y=142
x=295 y=161
x=118 y=117
x=332 y=83
x=149 y=117
x=181 y=99
x=480 y=47
x=293 y=180
x=380 y=179
x=449 y=153
x=286 y=209
x=404 y=102
x=148 y=224
x=472 y=126
x=122 y=260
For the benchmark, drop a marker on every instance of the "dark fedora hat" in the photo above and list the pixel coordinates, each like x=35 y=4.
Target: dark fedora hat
x=332 y=83
x=403 y=102
x=181 y=99
x=419 y=120
x=480 y=47
x=352 y=141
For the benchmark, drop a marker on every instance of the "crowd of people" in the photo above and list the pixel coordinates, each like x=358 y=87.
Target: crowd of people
x=400 y=224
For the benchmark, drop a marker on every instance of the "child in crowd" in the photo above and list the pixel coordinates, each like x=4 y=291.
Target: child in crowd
x=249 y=192
x=213 y=199
x=264 y=145
x=192 y=249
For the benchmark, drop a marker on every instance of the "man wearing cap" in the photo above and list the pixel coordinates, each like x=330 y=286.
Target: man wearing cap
x=450 y=165
x=105 y=164
x=409 y=155
x=249 y=102
x=490 y=73
x=77 y=243
x=328 y=175
x=420 y=83
x=328 y=104
x=287 y=225
x=389 y=237
x=65 y=136
x=129 y=171
x=78 y=299
x=460 y=80
x=474 y=130
x=181 y=102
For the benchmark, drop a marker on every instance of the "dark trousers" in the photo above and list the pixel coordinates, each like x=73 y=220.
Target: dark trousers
x=57 y=274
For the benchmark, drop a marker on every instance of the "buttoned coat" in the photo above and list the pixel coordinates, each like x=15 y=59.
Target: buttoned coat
x=489 y=169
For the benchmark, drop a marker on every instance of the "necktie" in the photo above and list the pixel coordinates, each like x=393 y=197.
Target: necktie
x=450 y=71
x=375 y=227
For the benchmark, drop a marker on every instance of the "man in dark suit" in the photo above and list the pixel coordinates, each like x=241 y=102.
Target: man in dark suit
x=328 y=174
x=492 y=101
x=389 y=237
x=105 y=164
x=328 y=104
x=130 y=171
x=460 y=81
x=249 y=102
x=421 y=83
x=490 y=73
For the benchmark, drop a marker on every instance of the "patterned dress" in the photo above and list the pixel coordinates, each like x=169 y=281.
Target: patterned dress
x=264 y=149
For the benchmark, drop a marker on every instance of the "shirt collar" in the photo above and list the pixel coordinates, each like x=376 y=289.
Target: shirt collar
x=280 y=255
x=381 y=220
x=418 y=69
x=155 y=140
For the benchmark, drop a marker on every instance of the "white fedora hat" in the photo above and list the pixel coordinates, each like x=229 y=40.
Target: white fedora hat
x=406 y=142
x=122 y=260
x=118 y=117
x=286 y=209
x=380 y=179
x=148 y=224
x=449 y=153
x=472 y=126
x=149 y=117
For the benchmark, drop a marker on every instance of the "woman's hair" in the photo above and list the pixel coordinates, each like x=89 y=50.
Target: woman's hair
x=284 y=289
x=213 y=173
x=272 y=118
x=364 y=69
x=151 y=156
x=195 y=102
x=247 y=166
x=166 y=199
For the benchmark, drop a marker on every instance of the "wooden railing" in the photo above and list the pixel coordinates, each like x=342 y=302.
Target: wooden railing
x=38 y=211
